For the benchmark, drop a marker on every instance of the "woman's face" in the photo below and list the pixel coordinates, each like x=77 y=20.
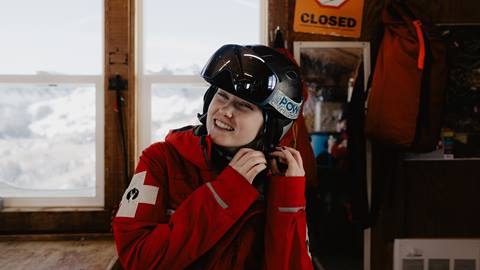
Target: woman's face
x=232 y=121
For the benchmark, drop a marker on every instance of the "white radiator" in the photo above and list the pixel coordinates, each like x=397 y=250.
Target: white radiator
x=436 y=254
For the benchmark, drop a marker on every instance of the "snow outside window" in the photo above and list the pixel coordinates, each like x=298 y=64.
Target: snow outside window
x=176 y=38
x=51 y=105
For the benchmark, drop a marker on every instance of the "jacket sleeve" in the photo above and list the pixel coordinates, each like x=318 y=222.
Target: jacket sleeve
x=286 y=228
x=148 y=239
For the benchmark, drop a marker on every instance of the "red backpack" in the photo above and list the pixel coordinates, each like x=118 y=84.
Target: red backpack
x=407 y=94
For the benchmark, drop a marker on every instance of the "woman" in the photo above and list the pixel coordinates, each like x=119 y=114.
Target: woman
x=223 y=195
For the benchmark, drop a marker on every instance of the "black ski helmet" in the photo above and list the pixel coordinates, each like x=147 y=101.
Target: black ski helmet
x=262 y=76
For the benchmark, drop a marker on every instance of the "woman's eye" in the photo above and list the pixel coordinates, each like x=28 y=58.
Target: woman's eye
x=222 y=95
x=245 y=106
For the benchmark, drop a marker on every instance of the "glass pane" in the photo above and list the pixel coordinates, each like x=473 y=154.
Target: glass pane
x=438 y=264
x=464 y=264
x=174 y=106
x=412 y=264
x=47 y=140
x=51 y=36
x=181 y=35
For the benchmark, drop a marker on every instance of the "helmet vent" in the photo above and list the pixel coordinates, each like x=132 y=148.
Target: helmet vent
x=292 y=75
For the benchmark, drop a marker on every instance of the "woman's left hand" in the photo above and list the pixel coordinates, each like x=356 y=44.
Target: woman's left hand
x=289 y=156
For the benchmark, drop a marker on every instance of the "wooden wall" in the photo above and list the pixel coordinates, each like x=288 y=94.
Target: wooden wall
x=119 y=60
x=281 y=14
x=416 y=198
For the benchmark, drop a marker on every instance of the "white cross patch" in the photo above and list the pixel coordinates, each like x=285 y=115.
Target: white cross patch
x=137 y=192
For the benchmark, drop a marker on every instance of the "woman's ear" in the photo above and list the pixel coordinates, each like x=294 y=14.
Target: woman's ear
x=202 y=118
x=207 y=98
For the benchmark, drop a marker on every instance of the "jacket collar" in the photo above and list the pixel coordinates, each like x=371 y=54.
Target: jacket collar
x=196 y=148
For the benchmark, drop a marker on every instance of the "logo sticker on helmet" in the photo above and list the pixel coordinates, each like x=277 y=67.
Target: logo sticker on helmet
x=284 y=105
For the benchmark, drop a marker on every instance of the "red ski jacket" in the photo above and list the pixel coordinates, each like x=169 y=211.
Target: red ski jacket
x=178 y=214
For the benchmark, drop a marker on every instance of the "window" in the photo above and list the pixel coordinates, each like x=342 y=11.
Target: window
x=176 y=40
x=51 y=110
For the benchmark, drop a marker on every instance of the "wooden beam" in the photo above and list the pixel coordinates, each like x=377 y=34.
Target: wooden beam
x=55 y=222
x=119 y=60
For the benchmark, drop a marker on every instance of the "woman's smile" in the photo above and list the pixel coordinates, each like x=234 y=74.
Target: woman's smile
x=222 y=125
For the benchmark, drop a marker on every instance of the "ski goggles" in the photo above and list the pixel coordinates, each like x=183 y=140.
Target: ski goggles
x=237 y=69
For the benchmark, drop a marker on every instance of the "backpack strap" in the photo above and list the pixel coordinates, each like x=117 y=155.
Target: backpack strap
x=415 y=26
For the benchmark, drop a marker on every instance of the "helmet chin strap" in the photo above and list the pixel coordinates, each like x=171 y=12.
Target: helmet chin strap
x=223 y=155
x=229 y=152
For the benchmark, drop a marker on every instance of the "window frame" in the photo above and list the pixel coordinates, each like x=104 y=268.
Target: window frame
x=146 y=81
x=77 y=202
x=88 y=219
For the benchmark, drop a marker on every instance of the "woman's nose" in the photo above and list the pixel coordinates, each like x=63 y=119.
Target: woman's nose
x=227 y=109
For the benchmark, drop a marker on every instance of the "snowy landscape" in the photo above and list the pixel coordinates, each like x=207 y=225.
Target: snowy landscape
x=47 y=135
x=174 y=107
x=47 y=139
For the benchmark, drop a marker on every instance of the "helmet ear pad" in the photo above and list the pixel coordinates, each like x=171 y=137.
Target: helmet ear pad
x=275 y=127
x=207 y=99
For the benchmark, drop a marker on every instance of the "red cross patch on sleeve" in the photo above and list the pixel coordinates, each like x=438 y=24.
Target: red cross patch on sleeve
x=137 y=192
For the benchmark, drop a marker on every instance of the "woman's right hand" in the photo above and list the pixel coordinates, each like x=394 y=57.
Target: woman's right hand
x=289 y=156
x=248 y=163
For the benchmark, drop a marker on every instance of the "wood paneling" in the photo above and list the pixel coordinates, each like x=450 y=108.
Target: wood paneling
x=55 y=222
x=281 y=13
x=441 y=198
x=423 y=199
x=119 y=60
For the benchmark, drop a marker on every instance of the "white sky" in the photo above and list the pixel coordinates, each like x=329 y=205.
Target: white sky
x=66 y=36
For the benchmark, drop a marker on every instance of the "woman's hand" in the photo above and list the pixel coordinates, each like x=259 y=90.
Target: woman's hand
x=248 y=163
x=289 y=156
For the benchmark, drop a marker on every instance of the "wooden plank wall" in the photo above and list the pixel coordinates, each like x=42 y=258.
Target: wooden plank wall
x=396 y=217
x=119 y=60
x=281 y=12
x=423 y=199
